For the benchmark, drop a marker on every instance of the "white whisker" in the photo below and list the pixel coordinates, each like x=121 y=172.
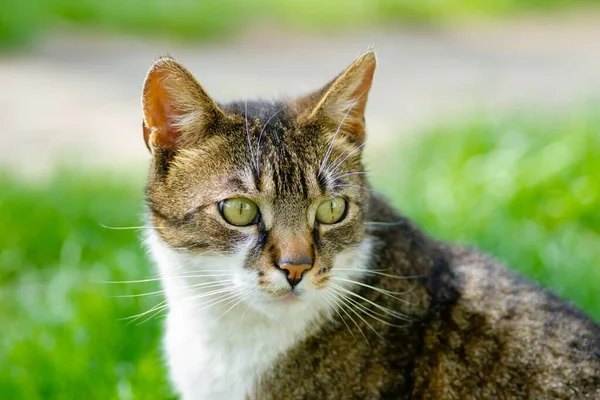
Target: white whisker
x=345 y=301
x=384 y=224
x=382 y=291
x=134 y=281
x=372 y=313
x=338 y=177
x=382 y=308
x=124 y=228
x=355 y=323
x=211 y=293
x=376 y=272
x=167 y=278
x=351 y=185
x=240 y=298
x=157 y=312
x=347 y=156
x=250 y=303
x=248 y=130
x=330 y=148
x=133 y=318
x=123 y=296
x=218 y=300
x=330 y=299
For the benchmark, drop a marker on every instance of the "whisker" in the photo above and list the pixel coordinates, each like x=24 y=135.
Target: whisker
x=211 y=293
x=204 y=285
x=223 y=282
x=347 y=156
x=372 y=313
x=133 y=318
x=351 y=185
x=166 y=278
x=193 y=271
x=382 y=291
x=376 y=272
x=224 y=295
x=241 y=297
x=130 y=228
x=123 y=296
x=382 y=308
x=338 y=177
x=248 y=130
x=343 y=299
x=124 y=228
x=330 y=300
x=156 y=313
x=155 y=310
x=355 y=323
x=250 y=303
x=384 y=224
x=134 y=281
x=218 y=300
x=196 y=275
x=330 y=148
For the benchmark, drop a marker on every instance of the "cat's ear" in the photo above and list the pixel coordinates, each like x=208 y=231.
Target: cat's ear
x=176 y=108
x=342 y=102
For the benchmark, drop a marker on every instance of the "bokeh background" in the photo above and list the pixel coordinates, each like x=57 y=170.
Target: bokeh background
x=483 y=127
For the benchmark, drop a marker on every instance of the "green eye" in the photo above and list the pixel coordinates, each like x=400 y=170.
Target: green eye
x=331 y=211
x=239 y=211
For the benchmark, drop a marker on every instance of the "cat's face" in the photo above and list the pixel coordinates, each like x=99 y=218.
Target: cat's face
x=265 y=198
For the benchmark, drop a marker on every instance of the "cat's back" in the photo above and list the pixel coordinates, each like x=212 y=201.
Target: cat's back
x=504 y=337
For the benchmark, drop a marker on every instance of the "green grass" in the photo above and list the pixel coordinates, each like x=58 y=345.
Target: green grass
x=524 y=190
x=62 y=329
x=527 y=192
x=22 y=20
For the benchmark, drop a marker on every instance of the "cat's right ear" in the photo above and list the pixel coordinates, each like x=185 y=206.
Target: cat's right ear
x=176 y=108
x=342 y=102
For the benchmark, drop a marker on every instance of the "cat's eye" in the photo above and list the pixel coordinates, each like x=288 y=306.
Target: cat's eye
x=332 y=211
x=239 y=211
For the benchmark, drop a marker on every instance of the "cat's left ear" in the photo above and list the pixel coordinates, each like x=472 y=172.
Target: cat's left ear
x=342 y=102
x=177 y=110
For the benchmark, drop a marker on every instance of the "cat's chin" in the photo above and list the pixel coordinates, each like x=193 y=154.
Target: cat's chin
x=275 y=306
x=288 y=299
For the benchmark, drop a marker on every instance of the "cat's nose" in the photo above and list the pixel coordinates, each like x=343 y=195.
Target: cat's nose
x=295 y=258
x=294 y=272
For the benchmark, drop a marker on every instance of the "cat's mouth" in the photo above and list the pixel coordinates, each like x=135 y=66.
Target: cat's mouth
x=292 y=296
x=289 y=298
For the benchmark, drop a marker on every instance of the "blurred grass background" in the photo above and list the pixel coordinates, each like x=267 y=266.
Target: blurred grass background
x=23 y=20
x=524 y=189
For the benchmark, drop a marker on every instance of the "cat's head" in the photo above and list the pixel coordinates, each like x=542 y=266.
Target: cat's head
x=262 y=197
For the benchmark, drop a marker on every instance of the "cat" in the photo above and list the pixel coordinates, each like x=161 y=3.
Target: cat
x=288 y=277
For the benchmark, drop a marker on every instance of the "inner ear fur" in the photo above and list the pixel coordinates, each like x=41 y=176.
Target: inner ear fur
x=176 y=108
x=343 y=101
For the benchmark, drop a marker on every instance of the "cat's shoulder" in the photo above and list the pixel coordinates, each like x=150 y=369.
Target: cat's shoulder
x=515 y=334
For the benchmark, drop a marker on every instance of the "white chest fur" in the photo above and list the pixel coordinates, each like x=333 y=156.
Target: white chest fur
x=223 y=360
x=218 y=352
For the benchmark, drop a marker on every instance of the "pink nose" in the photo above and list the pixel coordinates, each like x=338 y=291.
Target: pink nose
x=295 y=272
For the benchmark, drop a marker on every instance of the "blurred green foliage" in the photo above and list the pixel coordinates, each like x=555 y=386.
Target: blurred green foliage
x=526 y=191
x=21 y=20
x=63 y=333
